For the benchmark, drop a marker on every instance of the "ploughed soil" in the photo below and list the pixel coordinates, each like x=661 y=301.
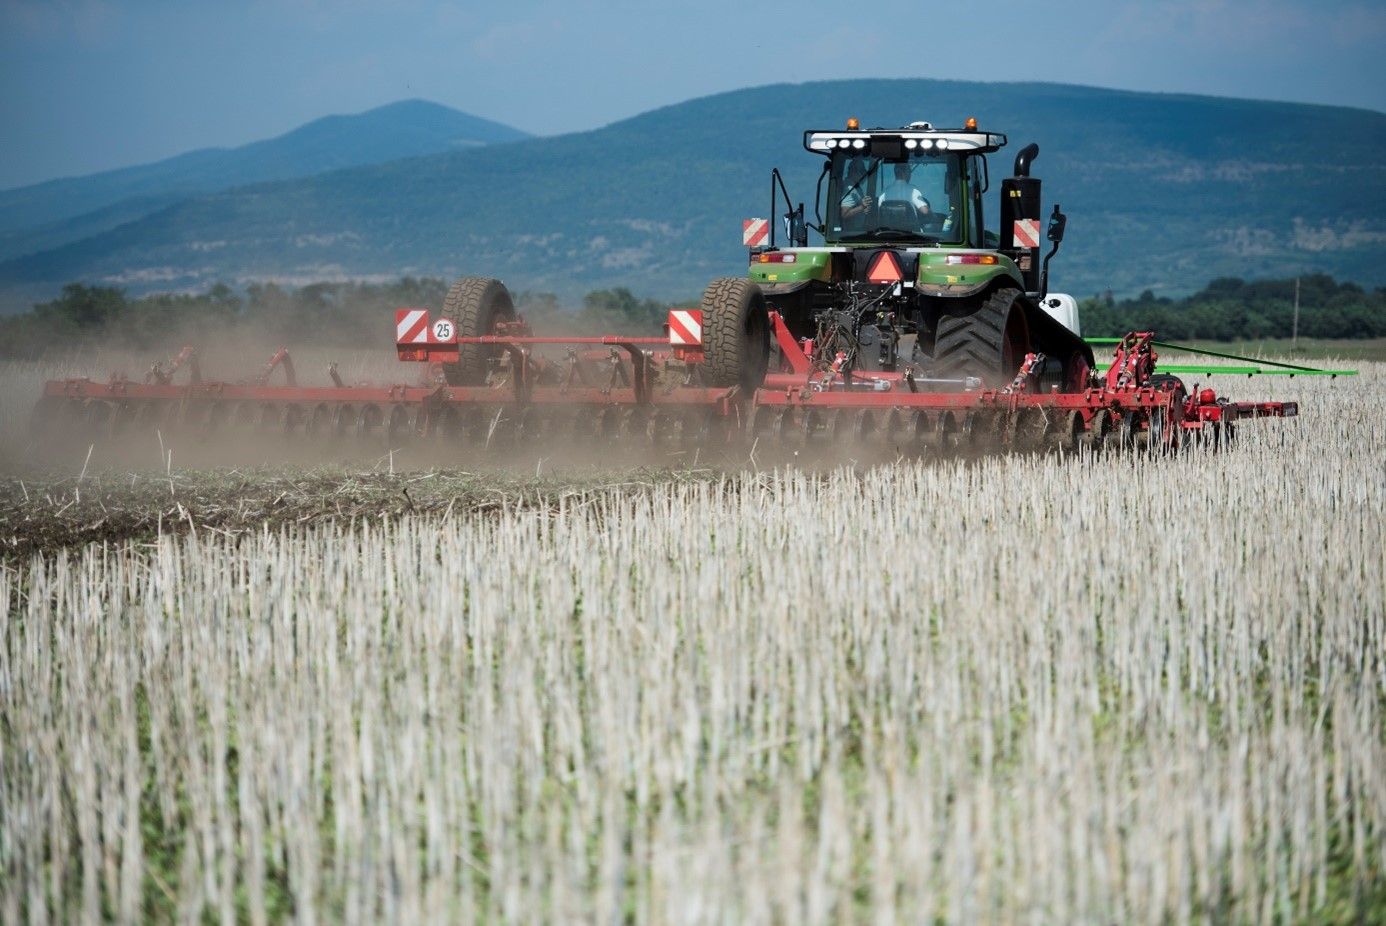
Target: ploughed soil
x=49 y=514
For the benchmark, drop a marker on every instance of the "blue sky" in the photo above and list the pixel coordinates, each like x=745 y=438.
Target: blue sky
x=94 y=84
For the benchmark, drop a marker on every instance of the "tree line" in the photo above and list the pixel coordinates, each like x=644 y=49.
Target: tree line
x=1232 y=309
x=361 y=314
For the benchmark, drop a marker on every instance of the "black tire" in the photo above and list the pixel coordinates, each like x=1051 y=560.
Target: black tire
x=736 y=333
x=475 y=304
x=1166 y=381
x=990 y=342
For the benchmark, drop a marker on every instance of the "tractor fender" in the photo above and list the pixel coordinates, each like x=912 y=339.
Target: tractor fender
x=955 y=282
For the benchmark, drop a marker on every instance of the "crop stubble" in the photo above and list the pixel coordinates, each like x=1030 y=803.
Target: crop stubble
x=1060 y=690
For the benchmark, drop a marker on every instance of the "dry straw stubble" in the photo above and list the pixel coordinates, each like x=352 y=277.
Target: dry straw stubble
x=1040 y=689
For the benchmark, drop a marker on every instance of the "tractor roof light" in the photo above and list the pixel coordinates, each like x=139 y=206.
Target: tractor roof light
x=913 y=142
x=853 y=124
x=971 y=124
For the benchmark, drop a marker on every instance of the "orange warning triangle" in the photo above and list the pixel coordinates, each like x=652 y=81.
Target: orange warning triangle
x=884 y=269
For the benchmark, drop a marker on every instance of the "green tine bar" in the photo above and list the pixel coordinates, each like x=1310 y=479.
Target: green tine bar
x=1282 y=369
x=1247 y=371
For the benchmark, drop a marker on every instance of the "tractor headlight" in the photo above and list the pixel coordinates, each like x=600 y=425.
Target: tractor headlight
x=911 y=143
x=858 y=143
x=926 y=144
x=942 y=144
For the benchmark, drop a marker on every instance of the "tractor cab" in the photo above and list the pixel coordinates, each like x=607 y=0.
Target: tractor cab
x=915 y=186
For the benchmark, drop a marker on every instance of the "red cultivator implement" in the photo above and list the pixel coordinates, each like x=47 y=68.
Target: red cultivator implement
x=652 y=393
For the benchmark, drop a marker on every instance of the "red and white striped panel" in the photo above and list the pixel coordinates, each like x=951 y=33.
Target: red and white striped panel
x=755 y=232
x=1027 y=233
x=411 y=326
x=686 y=327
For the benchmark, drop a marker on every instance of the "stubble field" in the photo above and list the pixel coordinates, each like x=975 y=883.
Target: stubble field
x=1021 y=689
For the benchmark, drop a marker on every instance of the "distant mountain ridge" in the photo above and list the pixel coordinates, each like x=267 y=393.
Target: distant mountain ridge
x=1163 y=192
x=49 y=214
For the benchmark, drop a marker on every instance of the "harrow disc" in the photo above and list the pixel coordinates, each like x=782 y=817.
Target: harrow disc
x=531 y=428
x=788 y=429
x=343 y=420
x=271 y=418
x=921 y=426
x=964 y=436
x=609 y=422
x=764 y=420
x=1124 y=431
x=1029 y=427
x=1096 y=433
x=712 y=430
x=898 y=431
x=1066 y=432
x=635 y=426
x=215 y=418
x=401 y=425
x=818 y=427
x=864 y=426
x=319 y=420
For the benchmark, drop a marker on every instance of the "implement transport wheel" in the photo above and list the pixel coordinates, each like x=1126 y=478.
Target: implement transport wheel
x=736 y=333
x=475 y=304
x=989 y=342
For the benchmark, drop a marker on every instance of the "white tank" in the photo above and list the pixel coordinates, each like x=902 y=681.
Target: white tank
x=1064 y=309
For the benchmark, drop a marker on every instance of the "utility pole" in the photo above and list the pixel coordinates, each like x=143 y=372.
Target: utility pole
x=1294 y=332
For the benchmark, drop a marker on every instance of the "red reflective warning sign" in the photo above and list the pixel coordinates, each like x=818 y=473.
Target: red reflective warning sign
x=1027 y=233
x=884 y=269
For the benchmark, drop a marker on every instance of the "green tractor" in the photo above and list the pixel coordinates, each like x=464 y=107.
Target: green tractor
x=908 y=277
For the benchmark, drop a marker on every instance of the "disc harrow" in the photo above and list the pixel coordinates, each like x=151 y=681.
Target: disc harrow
x=600 y=396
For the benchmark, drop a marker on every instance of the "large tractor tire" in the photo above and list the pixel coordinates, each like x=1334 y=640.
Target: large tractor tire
x=475 y=304
x=990 y=342
x=736 y=333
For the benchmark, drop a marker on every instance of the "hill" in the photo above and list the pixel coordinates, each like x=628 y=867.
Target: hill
x=1164 y=192
x=47 y=215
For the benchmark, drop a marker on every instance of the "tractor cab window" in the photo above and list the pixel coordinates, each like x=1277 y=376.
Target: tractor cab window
x=912 y=198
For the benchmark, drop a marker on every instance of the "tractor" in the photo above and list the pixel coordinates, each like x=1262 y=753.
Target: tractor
x=908 y=276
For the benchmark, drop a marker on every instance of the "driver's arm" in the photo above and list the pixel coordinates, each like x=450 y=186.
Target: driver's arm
x=862 y=204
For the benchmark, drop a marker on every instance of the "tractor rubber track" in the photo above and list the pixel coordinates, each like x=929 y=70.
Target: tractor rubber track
x=973 y=344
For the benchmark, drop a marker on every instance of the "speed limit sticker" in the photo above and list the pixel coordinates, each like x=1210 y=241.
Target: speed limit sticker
x=443 y=329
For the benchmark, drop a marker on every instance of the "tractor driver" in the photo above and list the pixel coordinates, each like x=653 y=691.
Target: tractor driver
x=856 y=204
x=900 y=190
